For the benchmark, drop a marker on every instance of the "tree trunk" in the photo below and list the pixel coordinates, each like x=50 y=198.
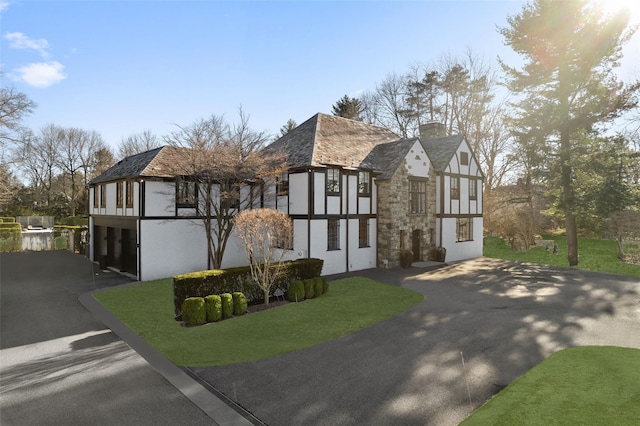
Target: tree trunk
x=266 y=297
x=572 y=239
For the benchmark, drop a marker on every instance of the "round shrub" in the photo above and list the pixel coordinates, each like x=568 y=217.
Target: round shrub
x=295 y=293
x=318 y=288
x=213 y=307
x=193 y=312
x=239 y=303
x=227 y=305
x=309 y=288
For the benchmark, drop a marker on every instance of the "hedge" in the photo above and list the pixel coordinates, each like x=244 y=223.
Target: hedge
x=213 y=307
x=239 y=303
x=295 y=293
x=227 y=305
x=309 y=288
x=5 y=219
x=10 y=236
x=218 y=281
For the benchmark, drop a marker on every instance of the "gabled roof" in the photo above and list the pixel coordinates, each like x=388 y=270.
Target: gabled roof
x=386 y=158
x=441 y=150
x=159 y=162
x=330 y=140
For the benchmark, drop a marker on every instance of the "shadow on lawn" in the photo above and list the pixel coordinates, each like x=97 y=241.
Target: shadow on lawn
x=503 y=317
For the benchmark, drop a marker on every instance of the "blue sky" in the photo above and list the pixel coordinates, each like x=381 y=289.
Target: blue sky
x=121 y=67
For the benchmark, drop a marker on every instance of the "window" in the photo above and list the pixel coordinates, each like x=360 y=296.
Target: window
x=282 y=186
x=129 y=196
x=455 y=188
x=464 y=229
x=473 y=189
x=185 y=193
x=95 y=197
x=364 y=183
x=119 y=187
x=333 y=181
x=103 y=195
x=230 y=195
x=363 y=232
x=464 y=158
x=333 y=234
x=417 y=196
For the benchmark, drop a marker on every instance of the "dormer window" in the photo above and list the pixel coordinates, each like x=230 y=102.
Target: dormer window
x=333 y=181
x=464 y=158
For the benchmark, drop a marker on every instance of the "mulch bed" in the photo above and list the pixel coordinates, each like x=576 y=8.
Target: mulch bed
x=261 y=307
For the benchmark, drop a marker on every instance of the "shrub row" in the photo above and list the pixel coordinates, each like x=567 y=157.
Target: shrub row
x=213 y=308
x=307 y=289
x=6 y=219
x=10 y=236
x=218 y=281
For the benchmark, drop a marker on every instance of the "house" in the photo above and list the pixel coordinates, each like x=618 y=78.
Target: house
x=356 y=195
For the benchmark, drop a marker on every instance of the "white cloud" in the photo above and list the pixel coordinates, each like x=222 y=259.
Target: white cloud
x=4 y=5
x=21 y=41
x=42 y=74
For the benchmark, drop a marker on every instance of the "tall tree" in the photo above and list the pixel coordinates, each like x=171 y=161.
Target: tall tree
x=14 y=106
x=228 y=168
x=287 y=127
x=137 y=143
x=348 y=107
x=566 y=86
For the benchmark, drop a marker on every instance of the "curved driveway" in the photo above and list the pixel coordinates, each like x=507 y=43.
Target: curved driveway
x=500 y=317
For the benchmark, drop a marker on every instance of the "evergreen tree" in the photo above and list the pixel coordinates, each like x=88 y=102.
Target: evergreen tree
x=348 y=107
x=566 y=87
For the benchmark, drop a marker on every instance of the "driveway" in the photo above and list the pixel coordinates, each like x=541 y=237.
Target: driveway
x=59 y=365
x=483 y=324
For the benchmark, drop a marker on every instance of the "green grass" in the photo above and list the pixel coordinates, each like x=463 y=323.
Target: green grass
x=350 y=305
x=594 y=255
x=595 y=385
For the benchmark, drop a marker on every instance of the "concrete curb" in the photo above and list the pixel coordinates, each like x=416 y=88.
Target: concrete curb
x=214 y=407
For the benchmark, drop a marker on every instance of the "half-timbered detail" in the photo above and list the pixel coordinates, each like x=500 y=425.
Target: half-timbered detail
x=356 y=194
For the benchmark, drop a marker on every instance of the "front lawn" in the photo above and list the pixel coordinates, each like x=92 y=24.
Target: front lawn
x=350 y=305
x=594 y=255
x=577 y=386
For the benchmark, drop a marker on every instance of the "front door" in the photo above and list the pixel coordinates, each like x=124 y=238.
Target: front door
x=416 y=236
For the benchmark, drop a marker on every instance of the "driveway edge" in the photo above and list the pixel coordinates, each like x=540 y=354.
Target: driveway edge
x=214 y=407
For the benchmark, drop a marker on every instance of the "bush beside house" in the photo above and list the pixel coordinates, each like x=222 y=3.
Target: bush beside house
x=219 y=281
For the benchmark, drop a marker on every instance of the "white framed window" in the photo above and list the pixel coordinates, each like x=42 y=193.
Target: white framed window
x=364 y=183
x=464 y=229
x=333 y=181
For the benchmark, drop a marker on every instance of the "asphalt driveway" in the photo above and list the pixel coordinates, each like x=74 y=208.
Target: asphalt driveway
x=61 y=366
x=483 y=324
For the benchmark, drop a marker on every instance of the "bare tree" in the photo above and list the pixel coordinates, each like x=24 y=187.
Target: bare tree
x=137 y=143
x=387 y=106
x=14 y=106
x=266 y=235
x=226 y=165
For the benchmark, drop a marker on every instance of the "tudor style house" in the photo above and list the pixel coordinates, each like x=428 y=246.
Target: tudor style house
x=356 y=194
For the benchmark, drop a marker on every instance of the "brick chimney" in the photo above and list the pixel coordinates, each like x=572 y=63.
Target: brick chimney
x=432 y=129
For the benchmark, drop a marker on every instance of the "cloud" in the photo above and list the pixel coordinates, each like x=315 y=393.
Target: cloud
x=4 y=5
x=41 y=74
x=19 y=40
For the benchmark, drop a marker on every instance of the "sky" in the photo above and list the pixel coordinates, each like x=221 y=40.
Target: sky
x=122 y=67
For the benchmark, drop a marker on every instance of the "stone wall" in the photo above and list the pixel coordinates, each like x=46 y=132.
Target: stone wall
x=395 y=223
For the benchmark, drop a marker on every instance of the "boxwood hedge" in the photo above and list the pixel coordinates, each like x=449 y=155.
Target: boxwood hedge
x=218 y=281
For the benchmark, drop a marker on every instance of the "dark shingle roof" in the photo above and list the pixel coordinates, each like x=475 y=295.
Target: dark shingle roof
x=386 y=158
x=330 y=140
x=441 y=150
x=159 y=162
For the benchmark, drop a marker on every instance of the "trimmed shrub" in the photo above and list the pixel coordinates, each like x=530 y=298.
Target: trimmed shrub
x=10 y=236
x=295 y=293
x=325 y=285
x=406 y=258
x=239 y=303
x=318 y=288
x=193 y=312
x=227 y=305
x=309 y=288
x=213 y=307
x=218 y=281
x=7 y=219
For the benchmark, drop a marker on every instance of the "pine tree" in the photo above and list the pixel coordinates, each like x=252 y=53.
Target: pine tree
x=348 y=107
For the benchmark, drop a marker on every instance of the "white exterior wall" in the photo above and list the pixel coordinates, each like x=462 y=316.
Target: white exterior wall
x=298 y=193
x=461 y=250
x=160 y=198
x=362 y=257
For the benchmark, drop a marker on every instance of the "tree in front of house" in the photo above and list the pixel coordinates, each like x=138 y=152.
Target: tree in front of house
x=266 y=235
x=228 y=169
x=348 y=107
x=566 y=88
